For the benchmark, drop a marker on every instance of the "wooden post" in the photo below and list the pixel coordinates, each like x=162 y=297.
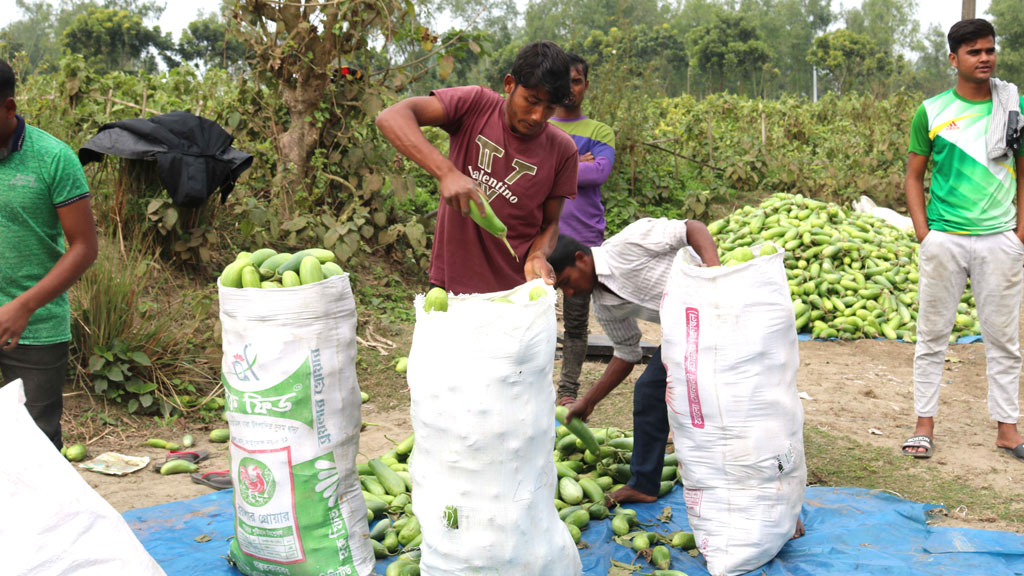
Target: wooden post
x=968 y=10
x=110 y=96
x=764 y=139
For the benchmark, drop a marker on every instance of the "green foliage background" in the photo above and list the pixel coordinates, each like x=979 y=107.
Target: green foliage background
x=710 y=101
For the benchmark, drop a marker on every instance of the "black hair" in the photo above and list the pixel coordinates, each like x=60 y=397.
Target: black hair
x=564 y=254
x=971 y=30
x=577 y=60
x=543 y=64
x=7 y=81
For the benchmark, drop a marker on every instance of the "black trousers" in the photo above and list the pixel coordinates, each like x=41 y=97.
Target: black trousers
x=43 y=370
x=650 y=427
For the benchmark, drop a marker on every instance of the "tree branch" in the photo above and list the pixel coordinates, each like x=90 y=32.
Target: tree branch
x=695 y=161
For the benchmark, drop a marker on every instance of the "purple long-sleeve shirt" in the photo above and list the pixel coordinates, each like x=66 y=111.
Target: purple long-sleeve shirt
x=583 y=217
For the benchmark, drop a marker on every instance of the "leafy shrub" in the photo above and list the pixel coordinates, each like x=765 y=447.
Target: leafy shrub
x=133 y=329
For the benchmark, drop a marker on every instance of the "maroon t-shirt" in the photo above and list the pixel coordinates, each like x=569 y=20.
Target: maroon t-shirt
x=517 y=175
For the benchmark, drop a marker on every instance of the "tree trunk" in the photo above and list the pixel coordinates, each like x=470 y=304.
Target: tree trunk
x=297 y=144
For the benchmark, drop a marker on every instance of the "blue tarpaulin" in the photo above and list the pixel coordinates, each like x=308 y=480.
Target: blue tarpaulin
x=849 y=531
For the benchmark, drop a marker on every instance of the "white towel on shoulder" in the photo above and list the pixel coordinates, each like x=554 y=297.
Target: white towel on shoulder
x=1005 y=101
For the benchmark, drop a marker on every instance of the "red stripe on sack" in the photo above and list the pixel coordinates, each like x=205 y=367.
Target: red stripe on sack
x=690 y=364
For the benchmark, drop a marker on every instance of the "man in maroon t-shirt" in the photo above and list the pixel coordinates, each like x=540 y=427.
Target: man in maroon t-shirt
x=505 y=148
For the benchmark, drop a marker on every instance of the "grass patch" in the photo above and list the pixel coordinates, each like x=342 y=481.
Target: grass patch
x=139 y=332
x=837 y=460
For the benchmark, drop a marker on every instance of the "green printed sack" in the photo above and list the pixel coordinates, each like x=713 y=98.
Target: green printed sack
x=293 y=407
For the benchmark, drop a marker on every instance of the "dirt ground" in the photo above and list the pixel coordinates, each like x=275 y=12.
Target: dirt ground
x=859 y=390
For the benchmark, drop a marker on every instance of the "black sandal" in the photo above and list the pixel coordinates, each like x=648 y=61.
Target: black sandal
x=1017 y=452
x=220 y=480
x=919 y=442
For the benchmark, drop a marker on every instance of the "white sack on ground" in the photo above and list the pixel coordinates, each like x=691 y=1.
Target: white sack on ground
x=293 y=408
x=483 y=414
x=53 y=523
x=730 y=348
x=865 y=205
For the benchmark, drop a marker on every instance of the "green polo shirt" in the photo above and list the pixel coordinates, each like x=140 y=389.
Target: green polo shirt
x=40 y=175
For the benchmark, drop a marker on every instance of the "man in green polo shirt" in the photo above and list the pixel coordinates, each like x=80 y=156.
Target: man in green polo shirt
x=969 y=230
x=44 y=200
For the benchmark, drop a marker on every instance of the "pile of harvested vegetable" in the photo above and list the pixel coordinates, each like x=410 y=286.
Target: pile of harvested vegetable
x=851 y=275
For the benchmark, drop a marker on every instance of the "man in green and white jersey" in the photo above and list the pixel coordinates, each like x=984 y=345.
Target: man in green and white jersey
x=969 y=230
x=44 y=200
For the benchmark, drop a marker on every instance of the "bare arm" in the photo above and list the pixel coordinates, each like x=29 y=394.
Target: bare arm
x=613 y=375
x=698 y=237
x=80 y=231
x=400 y=124
x=916 y=166
x=537 y=265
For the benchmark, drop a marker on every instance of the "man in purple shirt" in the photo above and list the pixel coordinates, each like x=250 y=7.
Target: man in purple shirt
x=582 y=217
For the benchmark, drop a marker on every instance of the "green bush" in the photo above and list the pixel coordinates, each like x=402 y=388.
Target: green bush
x=135 y=329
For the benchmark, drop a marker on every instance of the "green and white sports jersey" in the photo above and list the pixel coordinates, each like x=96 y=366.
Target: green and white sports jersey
x=970 y=194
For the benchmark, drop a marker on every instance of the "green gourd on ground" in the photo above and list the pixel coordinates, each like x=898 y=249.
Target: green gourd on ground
x=661 y=557
x=75 y=452
x=178 y=466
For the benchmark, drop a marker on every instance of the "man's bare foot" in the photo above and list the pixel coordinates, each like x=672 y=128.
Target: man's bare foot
x=799 y=529
x=565 y=401
x=1008 y=437
x=625 y=495
x=925 y=427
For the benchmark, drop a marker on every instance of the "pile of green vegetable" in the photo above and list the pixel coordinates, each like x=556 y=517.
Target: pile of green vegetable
x=265 y=268
x=593 y=463
x=851 y=275
x=589 y=464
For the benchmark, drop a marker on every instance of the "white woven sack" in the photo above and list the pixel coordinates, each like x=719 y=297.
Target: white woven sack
x=483 y=414
x=866 y=205
x=53 y=522
x=730 y=348
x=293 y=408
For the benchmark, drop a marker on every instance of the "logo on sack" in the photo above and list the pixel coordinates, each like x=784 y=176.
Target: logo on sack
x=255 y=482
x=690 y=365
x=784 y=461
x=693 y=499
x=243 y=366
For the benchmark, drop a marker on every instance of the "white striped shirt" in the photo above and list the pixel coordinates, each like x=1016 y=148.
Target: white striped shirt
x=632 y=270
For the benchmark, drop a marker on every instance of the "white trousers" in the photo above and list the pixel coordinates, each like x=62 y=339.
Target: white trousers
x=993 y=262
